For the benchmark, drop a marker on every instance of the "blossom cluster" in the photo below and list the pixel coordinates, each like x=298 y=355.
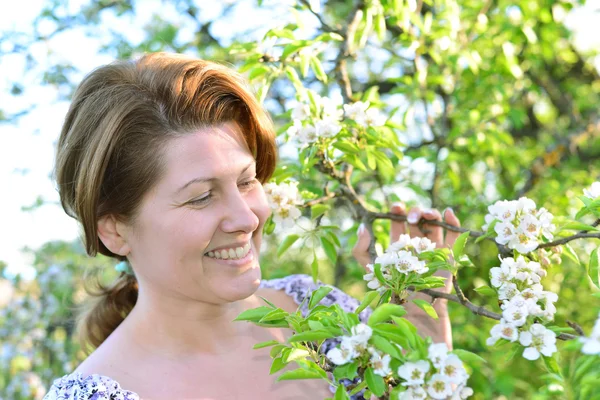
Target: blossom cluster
x=401 y=256
x=356 y=346
x=591 y=345
x=441 y=376
x=522 y=299
x=283 y=199
x=324 y=122
x=520 y=225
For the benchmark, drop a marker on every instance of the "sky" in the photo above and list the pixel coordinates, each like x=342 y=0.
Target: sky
x=27 y=147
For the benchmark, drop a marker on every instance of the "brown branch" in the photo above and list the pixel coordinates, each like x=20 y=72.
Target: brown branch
x=477 y=310
x=326 y=27
x=323 y=199
x=580 y=235
x=341 y=70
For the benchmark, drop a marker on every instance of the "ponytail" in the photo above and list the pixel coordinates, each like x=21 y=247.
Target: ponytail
x=105 y=308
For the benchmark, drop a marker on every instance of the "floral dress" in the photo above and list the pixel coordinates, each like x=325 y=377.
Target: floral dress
x=97 y=387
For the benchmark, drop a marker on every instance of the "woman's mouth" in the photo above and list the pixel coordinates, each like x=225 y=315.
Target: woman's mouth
x=233 y=255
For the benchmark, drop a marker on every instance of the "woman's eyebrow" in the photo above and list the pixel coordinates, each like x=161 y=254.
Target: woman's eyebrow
x=204 y=180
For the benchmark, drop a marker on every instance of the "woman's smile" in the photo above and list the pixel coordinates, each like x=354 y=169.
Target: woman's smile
x=236 y=256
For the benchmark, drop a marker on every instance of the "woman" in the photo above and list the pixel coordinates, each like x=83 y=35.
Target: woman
x=162 y=160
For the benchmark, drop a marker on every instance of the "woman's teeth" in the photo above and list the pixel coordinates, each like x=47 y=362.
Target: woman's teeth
x=230 y=254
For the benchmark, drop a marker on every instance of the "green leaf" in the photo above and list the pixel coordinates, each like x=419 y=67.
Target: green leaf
x=277 y=365
x=375 y=382
x=469 y=357
x=340 y=393
x=384 y=312
x=274 y=315
x=593 y=270
x=310 y=336
x=348 y=371
x=314 y=267
x=486 y=291
x=385 y=346
x=268 y=302
x=570 y=253
x=254 y=314
x=578 y=226
x=459 y=246
x=317 y=68
x=318 y=295
x=257 y=71
x=286 y=244
x=346 y=146
x=551 y=365
x=368 y=299
x=329 y=249
x=318 y=209
x=265 y=344
x=427 y=307
x=304 y=63
x=299 y=373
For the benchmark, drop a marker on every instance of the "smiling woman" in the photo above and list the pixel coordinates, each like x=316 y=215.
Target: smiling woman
x=162 y=161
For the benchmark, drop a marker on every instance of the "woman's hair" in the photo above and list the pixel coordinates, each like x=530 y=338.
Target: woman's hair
x=111 y=149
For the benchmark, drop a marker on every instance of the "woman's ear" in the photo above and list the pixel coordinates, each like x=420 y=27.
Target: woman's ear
x=112 y=233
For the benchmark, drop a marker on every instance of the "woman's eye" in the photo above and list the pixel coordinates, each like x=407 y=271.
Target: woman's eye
x=202 y=200
x=248 y=184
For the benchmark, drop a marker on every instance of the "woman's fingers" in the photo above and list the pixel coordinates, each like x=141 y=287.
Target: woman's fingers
x=451 y=219
x=436 y=233
x=413 y=218
x=361 y=248
x=398 y=227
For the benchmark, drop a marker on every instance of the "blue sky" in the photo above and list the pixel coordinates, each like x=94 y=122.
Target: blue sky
x=27 y=147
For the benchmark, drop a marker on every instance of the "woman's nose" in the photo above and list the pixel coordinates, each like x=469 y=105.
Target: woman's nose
x=238 y=214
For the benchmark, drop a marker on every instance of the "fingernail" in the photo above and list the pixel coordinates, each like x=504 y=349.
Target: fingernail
x=361 y=229
x=428 y=211
x=397 y=205
x=412 y=218
x=449 y=209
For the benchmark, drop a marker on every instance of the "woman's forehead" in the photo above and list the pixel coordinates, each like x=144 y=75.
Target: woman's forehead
x=211 y=151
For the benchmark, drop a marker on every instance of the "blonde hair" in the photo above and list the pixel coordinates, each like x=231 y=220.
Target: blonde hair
x=111 y=146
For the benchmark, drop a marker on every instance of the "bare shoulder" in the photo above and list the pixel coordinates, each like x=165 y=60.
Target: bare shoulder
x=279 y=298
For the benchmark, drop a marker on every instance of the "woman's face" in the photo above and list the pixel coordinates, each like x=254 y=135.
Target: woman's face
x=198 y=232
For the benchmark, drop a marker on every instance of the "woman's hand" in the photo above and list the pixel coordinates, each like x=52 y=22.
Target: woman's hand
x=439 y=330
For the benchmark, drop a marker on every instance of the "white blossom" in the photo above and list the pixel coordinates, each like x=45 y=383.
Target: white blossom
x=414 y=372
x=283 y=199
x=437 y=353
x=422 y=244
x=407 y=263
x=503 y=330
x=380 y=362
x=413 y=393
x=593 y=192
x=591 y=345
x=344 y=354
x=516 y=314
x=453 y=368
x=301 y=112
x=327 y=128
x=538 y=340
x=439 y=386
x=403 y=241
x=361 y=334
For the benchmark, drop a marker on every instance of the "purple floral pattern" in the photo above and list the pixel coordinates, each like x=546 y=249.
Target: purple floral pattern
x=97 y=387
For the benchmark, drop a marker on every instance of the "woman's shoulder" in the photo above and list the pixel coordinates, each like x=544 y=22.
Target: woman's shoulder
x=299 y=287
x=76 y=386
